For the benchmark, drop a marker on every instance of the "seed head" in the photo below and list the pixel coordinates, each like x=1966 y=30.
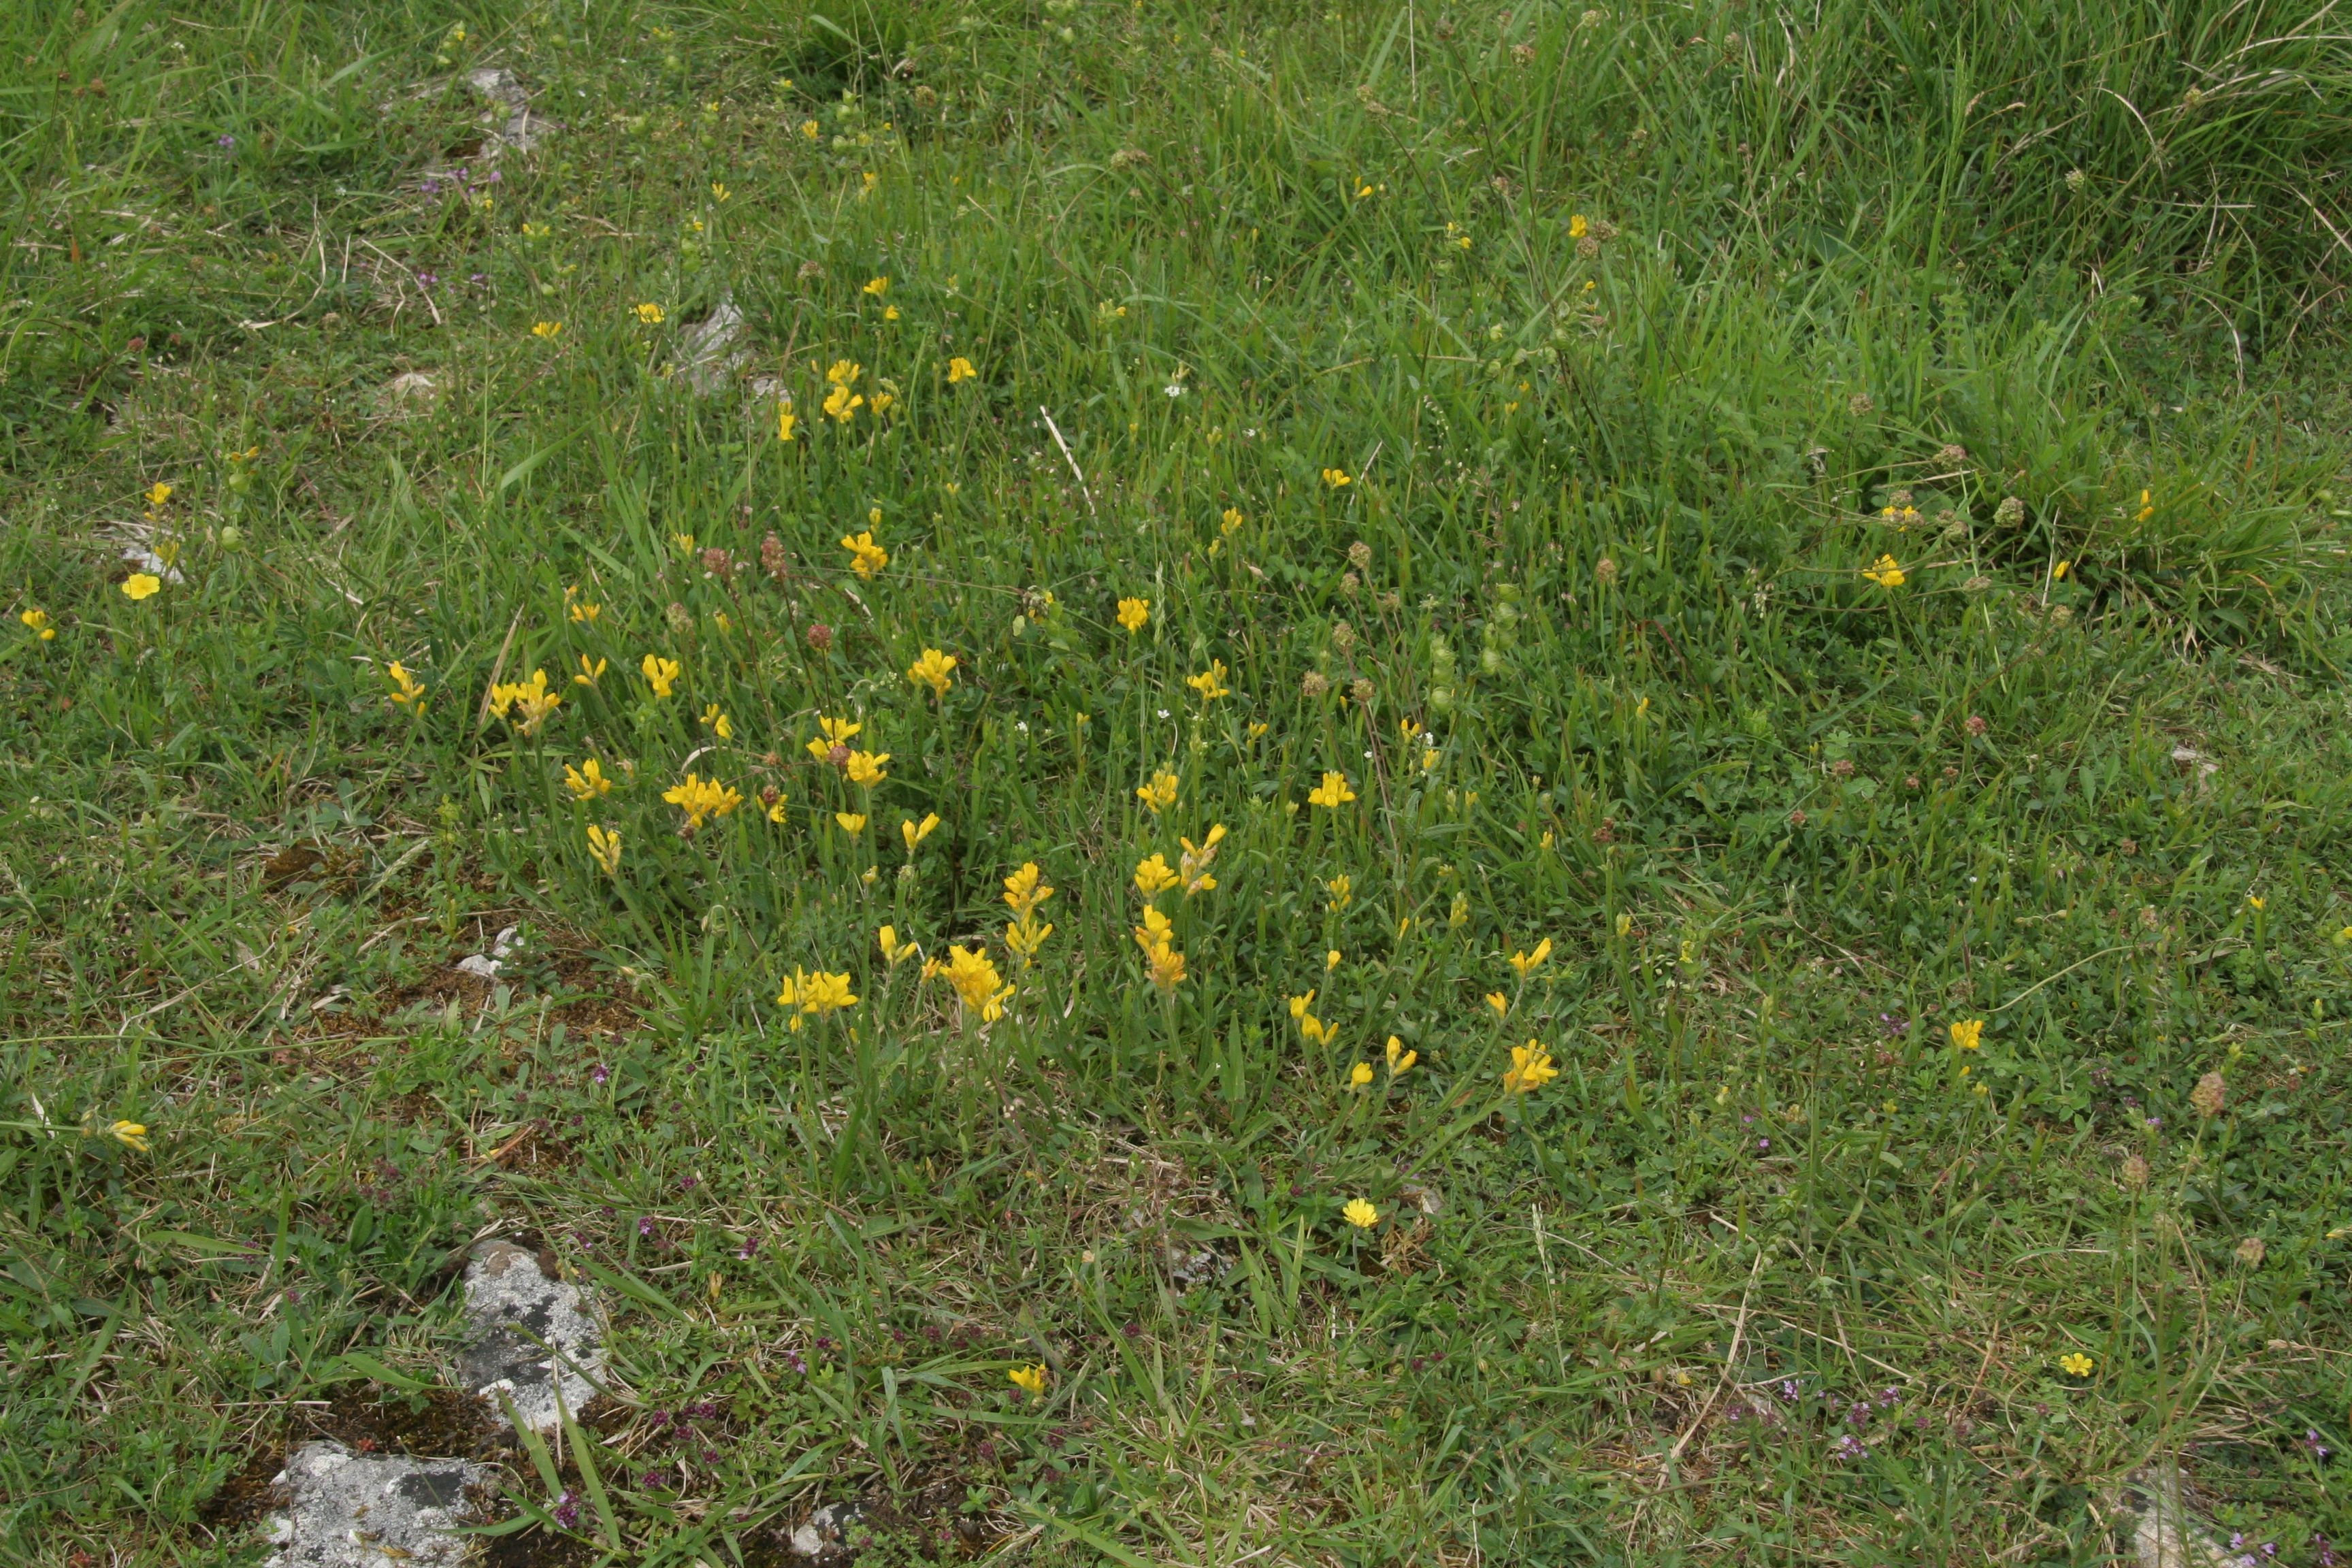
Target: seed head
x=2210 y=1095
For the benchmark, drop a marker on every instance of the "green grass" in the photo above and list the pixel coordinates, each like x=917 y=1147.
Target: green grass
x=1639 y=333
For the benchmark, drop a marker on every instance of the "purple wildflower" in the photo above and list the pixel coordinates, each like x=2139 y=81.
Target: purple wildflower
x=429 y=187
x=598 y=1073
x=567 y=1509
x=744 y=1252
x=1763 y=1143
x=2312 y=1446
x=687 y=1183
x=645 y=1224
x=427 y=279
x=792 y=1359
x=1789 y=1389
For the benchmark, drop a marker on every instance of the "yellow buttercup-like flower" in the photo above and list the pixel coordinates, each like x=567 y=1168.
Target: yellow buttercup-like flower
x=1193 y=866
x=934 y=669
x=960 y=369
x=662 y=672
x=1157 y=793
x=1332 y=793
x=702 y=799
x=141 y=586
x=1360 y=1214
x=976 y=983
x=1133 y=614
x=604 y=846
x=406 y=690
x=587 y=781
x=865 y=557
x=1023 y=891
x=1030 y=1380
x=2077 y=1365
x=1967 y=1033
x=1529 y=1070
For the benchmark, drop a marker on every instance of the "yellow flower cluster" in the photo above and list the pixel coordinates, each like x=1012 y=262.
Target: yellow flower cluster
x=528 y=698
x=1023 y=893
x=701 y=799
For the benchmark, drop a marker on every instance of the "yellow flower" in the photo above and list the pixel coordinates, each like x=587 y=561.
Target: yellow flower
x=1158 y=792
x=651 y=314
x=851 y=821
x=1133 y=614
x=407 y=691
x=816 y=995
x=1330 y=960
x=841 y=404
x=1530 y=1069
x=1333 y=792
x=1022 y=892
x=531 y=698
x=2077 y=1365
x=1887 y=574
x=1336 y=478
x=140 y=584
x=701 y=799
x=1030 y=1380
x=716 y=723
x=589 y=673
x=915 y=832
x=1967 y=1033
x=786 y=420
x=1153 y=877
x=604 y=846
x=894 y=951
x=864 y=768
x=1499 y=1003
x=934 y=669
x=2147 y=506
x=545 y=329
x=1211 y=683
x=684 y=542
x=976 y=983
x=1577 y=227
x=130 y=1134
x=1164 y=967
x=865 y=557
x=1359 y=1075
x=2254 y=901
x=2058 y=573
x=158 y=493
x=38 y=623
x=808 y=129
x=1194 y=865
x=1399 y=1059
x=660 y=671
x=878 y=286
x=1359 y=1214
x=720 y=192
x=844 y=372
x=960 y=369
x=776 y=809
x=587 y=781
x=1523 y=961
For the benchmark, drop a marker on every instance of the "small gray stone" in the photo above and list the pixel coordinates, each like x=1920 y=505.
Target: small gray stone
x=533 y=1335
x=2158 y=1526
x=708 y=355
x=826 y=1537
x=370 y=1510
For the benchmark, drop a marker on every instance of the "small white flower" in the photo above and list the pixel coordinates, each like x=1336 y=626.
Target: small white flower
x=1022 y=726
x=1163 y=712
x=1368 y=756
x=1173 y=389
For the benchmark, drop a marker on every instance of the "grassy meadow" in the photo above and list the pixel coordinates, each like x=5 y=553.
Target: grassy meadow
x=1340 y=783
